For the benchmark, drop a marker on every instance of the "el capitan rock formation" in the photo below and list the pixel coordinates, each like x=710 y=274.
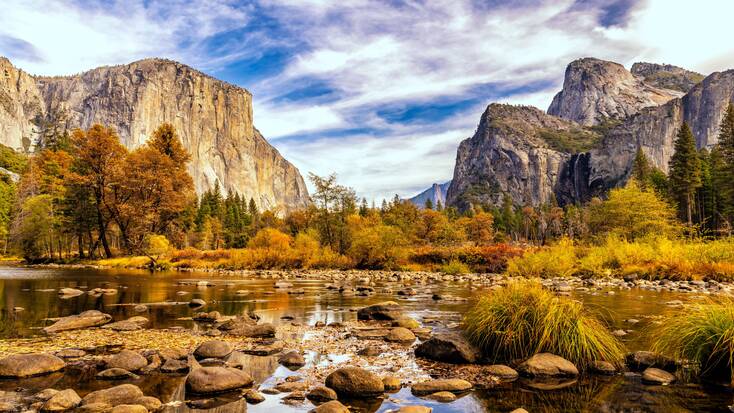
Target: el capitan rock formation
x=214 y=120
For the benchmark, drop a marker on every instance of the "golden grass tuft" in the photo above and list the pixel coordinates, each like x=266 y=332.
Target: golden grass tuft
x=523 y=318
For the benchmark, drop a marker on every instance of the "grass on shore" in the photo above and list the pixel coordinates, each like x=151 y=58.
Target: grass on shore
x=649 y=258
x=701 y=334
x=523 y=318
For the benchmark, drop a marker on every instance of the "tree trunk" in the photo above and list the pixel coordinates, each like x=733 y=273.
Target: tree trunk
x=102 y=227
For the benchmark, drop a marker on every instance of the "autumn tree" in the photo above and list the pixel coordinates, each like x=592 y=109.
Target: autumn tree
x=333 y=204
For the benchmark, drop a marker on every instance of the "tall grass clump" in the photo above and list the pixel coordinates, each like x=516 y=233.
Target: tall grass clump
x=558 y=260
x=523 y=318
x=701 y=334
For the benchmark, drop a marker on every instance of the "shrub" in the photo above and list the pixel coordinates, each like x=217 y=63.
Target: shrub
x=701 y=334
x=556 y=261
x=377 y=247
x=523 y=319
x=454 y=267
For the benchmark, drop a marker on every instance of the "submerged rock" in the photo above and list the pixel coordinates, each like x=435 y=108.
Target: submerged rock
x=501 y=371
x=331 y=407
x=124 y=393
x=400 y=335
x=292 y=359
x=26 y=365
x=355 y=382
x=69 y=292
x=448 y=348
x=548 y=365
x=321 y=394
x=116 y=373
x=91 y=318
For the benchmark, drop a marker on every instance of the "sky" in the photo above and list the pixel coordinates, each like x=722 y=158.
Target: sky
x=379 y=92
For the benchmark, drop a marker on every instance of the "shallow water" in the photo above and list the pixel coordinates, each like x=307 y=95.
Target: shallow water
x=167 y=295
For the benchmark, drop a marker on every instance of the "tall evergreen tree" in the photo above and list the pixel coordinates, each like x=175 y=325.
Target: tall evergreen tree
x=724 y=170
x=685 y=172
x=641 y=168
x=428 y=204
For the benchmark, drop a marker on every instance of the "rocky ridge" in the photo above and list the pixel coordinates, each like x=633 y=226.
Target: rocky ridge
x=214 y=120
x=535 y=158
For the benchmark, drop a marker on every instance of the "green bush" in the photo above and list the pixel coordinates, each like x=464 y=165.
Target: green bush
x=523 y=319
x=455 y=267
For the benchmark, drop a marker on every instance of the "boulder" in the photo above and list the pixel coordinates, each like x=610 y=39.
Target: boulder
x=253 y=396
x=448 y=348
x=435 y=386
x=249 y=329
x=392 y=383
x=292 y=359
x=129 y=408
x=124 y=325
x=197 y=302
x=442 y=396
x=265 y=349
x=406 y=322
x=603 y=367
x=91 y=318
x=414 y=409
x=26 y=365
x=128 y=360
x=122 y=394
x=355 y=382
x=641 y=360
x=400 y=335
x=321 y=394
x=116 y=374
x=370 y=351
x=388 y=310
x=210 y=380
x=547 y=365
x=213 y=349
x=501 y=371
x=62 y=401
x=291 y=386
x=652 y=375
x=331 y=407
x=175 y=366
x=150 y=403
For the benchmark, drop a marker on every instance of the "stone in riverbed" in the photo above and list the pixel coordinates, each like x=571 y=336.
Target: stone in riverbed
x=391 y=383
x=321 y=394
x=265 y=330
x=116 y=374
x=69 y=292
x=91 y=318
x=291 y=386
x=197 y=302
x=400 y=335
x=124 y=393
x=265 y=349
x=640 y=360
x=129 y=408
x=27 y=365
x=128 y=360
x=434 y=386
x=388 y=310
x=331 y=407
x=150 y=403
x=213 y=349
x=406 y=322
x=355 y=382
x=253 y=396
x=651 y=375
x=62 y=401
x=208 y=380
x=442 y=396
x=502 y=372
x=292 y=359
x=448 y=348
x=70 y=353
x=603 y=367
x=123 y=326
x=370 y=351
x=547 y=365
x=207 y=317
x=175 y=366
x=414 y=409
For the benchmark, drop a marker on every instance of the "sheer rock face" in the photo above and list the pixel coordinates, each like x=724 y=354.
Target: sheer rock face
x=508 y=156
x=654 y=129
x=596 y=90
x=213 y=119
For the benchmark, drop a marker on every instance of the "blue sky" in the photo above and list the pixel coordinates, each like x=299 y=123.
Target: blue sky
x=380 y=92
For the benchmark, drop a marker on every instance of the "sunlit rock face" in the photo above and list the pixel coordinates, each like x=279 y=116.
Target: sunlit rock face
x=613 y=111
x=597 y=90
x=214 y=120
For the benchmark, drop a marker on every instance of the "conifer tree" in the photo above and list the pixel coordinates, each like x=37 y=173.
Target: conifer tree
x=429 y=203
x=685 y=172
x=724 y=170
x=641 y=168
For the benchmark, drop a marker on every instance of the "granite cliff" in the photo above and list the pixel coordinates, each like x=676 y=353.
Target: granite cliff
x=436 y=193
x=214 y=120
x=586 y=143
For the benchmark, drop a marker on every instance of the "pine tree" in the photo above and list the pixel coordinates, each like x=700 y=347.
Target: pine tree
x=685 y=172
x=641 y=168
x=429 y=203
x=724 y=170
